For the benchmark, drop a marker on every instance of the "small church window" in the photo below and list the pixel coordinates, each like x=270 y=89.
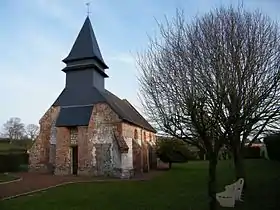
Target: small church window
x=135 y=134
x=150 y=137
x=74 y=135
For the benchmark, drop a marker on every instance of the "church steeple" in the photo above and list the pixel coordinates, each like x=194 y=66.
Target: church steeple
x=85 y=60
x=85 y=46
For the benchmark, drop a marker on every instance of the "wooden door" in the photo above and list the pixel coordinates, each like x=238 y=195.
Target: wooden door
x=75 y=160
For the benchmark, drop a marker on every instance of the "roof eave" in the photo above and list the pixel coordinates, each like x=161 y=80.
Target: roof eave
x=67 y=60
x=74 y=68
x=71 y=125
x=133 y=123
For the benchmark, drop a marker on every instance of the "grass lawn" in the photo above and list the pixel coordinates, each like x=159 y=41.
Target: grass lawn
x=6 y=177
x=182 y=188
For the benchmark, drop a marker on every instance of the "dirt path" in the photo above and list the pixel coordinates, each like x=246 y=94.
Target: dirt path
x=34 y=181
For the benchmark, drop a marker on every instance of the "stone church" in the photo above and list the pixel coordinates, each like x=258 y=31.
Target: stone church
x=88 y=130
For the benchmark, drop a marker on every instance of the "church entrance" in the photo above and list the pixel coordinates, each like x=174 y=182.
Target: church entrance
x=75 y=160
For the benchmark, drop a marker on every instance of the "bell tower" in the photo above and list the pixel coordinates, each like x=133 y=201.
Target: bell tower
x=85 y=66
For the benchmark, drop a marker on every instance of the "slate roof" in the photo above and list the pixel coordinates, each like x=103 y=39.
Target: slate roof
x=74 y=116
x=126 y=111
x=71 y=99
x=86 y=46
x=74 y=97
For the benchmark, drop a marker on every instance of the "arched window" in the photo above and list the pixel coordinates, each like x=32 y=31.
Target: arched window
x=150 y=137
x=145 y=136
x=135 y=134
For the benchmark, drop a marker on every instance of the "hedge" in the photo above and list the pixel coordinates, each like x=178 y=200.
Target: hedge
x=252 y=152
x=173 y=151
x=273 y=146
x=12 y=162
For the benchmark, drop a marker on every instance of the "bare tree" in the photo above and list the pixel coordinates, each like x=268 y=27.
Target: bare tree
x=32 y=131
x=213 y=82
x=14 y=129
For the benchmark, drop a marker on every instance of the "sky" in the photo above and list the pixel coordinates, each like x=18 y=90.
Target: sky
x=36 y=35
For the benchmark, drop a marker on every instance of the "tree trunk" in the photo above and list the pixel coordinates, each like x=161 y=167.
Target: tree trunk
x=212 y=181
x=239 y=165
x=170 y=165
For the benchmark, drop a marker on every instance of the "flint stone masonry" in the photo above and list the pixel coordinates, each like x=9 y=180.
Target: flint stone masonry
x=85 y=159
x=39 y=152
x=53 y=133
x=63 y=157
x=102 y=132
x=104 y=162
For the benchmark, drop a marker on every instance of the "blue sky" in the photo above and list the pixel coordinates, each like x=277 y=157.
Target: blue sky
x=35 y=35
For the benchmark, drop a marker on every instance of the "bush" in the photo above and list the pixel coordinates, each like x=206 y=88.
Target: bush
x=173 y=151
x=252 y=152
x=272 y=143
x=11 y=162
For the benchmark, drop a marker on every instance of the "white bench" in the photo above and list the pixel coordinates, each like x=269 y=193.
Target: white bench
x=231 y=194
x=238 y=188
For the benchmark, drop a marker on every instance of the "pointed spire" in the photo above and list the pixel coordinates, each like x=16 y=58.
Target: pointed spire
x=86 y=46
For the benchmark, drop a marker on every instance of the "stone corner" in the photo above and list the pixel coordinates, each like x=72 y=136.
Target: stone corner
x=127 y=173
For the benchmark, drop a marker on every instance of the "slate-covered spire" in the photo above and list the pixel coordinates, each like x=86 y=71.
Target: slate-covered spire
x=86 y=47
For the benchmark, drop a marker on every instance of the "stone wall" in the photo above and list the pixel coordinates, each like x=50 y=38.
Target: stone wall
x=85 y=162
x=138 y=140
x=39 y=152
x=116 y=159
x=63 y=152
x=53 y=133
x=102 y=127
x=127 y=134
x=52 y=150
x=52 y=156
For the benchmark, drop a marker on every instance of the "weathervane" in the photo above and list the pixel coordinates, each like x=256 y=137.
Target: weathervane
x=88 y=9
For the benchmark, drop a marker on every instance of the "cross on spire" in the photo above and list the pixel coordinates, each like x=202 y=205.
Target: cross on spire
x=88 y=8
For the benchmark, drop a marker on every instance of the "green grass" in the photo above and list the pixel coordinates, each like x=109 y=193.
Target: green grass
x=6 y=177
x=182 y=188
